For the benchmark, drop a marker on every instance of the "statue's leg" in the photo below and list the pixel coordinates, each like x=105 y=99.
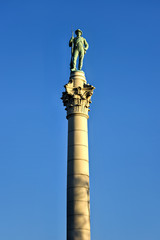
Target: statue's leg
x=81 y=56
x=75 y=56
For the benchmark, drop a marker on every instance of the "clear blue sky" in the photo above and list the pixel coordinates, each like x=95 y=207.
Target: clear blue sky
x=123 y=63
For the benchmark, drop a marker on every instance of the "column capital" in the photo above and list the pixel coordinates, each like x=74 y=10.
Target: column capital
x=77 y=97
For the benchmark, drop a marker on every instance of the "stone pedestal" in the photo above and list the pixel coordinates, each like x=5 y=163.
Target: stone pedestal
x=76 y=98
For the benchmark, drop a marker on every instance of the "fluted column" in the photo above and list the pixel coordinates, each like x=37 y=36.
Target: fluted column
x=76 y=98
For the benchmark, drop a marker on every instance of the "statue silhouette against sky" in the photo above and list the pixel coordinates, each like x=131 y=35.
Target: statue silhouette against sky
x=79 y=47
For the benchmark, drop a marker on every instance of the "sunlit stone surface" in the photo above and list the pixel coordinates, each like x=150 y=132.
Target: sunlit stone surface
x=76 y=99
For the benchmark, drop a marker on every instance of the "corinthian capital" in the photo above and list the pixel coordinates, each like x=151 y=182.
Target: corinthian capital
x=77 y=99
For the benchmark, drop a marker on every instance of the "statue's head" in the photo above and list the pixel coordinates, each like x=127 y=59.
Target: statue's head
x=78 y=32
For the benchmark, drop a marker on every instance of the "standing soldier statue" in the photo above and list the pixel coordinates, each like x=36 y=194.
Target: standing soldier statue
x=79 y=47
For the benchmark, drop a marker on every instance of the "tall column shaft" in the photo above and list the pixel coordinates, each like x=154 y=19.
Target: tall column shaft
x=76 y=98
x=78 y=200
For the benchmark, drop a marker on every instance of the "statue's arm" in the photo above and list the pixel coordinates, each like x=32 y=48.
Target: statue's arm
x=86 y=45
x=71 y=41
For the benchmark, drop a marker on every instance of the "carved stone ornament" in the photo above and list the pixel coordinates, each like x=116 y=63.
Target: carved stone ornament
x=77 y=99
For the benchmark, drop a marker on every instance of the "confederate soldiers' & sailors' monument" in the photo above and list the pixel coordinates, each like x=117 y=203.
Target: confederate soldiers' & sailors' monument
x=76 y=99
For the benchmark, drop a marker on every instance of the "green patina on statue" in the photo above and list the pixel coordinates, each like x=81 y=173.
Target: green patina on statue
x=79 y=47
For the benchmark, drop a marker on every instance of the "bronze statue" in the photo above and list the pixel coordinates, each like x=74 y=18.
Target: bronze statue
x=79 y=47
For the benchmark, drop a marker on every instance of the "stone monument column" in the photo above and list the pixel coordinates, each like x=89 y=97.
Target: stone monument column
x=76 y=98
